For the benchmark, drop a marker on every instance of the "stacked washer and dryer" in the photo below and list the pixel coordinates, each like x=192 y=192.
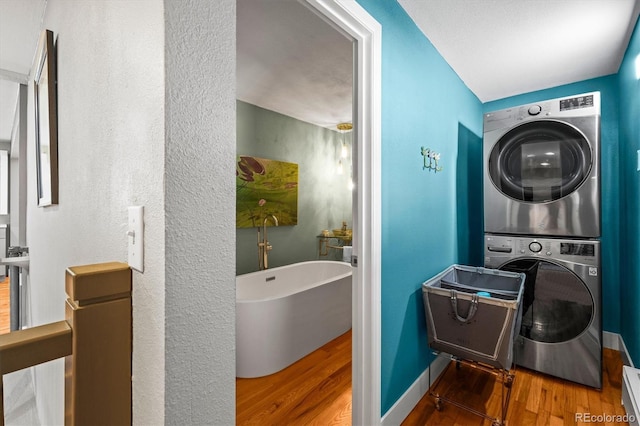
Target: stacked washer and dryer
x=542 y=217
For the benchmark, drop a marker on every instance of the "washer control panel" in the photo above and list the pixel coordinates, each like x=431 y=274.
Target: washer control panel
x=500 y=248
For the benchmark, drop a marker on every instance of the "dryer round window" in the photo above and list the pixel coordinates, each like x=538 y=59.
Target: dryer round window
x=540 y=161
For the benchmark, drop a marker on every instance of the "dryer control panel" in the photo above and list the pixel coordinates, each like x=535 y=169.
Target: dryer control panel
x=581 y=105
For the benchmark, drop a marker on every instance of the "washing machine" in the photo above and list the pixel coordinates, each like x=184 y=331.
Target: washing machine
x=541 y=168
x=561 y=328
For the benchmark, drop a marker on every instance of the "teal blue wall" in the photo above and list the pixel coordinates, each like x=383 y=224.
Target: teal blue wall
x=469 y=193
x=423 y=103
x=610 y=181
x=630 y=193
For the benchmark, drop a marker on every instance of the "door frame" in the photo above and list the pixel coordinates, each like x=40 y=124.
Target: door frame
x=350 y=19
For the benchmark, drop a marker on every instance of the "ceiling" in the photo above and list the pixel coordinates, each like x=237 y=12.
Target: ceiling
x=501 y=48
x=292 y=62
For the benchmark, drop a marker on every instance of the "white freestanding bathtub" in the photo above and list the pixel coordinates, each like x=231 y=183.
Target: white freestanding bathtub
x=285 y=313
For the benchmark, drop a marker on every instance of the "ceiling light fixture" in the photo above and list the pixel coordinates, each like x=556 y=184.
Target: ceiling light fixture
x=343 y=128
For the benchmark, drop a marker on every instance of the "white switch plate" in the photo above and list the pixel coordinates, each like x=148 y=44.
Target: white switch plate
x=639 y=156
x=135 y=238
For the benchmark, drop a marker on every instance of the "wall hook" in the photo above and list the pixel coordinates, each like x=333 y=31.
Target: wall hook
x=431 y=159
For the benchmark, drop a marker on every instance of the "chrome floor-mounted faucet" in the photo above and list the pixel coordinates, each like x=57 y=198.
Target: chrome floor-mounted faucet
x=263 y=244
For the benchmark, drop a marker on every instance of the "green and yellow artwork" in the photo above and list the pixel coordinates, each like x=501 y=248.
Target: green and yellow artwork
x=264 y=188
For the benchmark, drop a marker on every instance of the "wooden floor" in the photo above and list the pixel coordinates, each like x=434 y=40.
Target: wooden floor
x=536 y=399
x=317 y=391
x=313 y=391
x=4 y=306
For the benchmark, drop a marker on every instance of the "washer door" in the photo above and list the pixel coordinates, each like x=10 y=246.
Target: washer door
x=557 y=306
x=540 y=161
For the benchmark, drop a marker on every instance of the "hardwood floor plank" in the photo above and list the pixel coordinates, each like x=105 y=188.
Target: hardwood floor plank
x=556 y=421
x=319 y=398
x=337 y=413
x=595 y=404
x=518 y=410
x=570 y=404
x=570 y=418
x=535 y=393
x=313 y=387
x=557 y=399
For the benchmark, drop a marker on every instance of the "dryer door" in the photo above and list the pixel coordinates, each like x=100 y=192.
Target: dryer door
x=540 y=161
x=557 y=306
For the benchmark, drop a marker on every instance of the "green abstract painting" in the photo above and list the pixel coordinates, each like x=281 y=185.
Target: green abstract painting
x=264 y=188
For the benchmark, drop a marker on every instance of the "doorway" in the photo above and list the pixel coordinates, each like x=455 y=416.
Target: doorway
x=352 y=21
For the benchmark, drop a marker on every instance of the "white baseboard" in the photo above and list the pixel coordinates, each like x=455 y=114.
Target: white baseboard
x=611 y=340
x=407 y=402
x=616 y=342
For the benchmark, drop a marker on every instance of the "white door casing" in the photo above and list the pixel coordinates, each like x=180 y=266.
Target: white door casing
x=349 y=18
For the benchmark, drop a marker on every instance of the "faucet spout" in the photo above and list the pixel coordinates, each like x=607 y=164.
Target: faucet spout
x=264 y=246
x=271 y=216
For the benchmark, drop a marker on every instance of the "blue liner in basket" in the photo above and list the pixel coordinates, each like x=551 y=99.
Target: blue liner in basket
x=464 y=322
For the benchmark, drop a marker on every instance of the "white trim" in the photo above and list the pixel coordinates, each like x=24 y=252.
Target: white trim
x=352 y=20
x=611 y=340
x=14 y=77
x=627 y=360
x=407 y=402
x=616 y=342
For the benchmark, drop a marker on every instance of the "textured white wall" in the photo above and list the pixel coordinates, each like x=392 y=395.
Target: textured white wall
x=111 y=155
x=200 y=212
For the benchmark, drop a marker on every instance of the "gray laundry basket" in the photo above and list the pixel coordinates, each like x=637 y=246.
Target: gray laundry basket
x=477 y=327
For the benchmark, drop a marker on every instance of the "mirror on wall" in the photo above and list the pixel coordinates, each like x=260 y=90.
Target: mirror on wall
x=46 y=118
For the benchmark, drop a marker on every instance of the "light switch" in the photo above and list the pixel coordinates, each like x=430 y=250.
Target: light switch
x=135 y=238
x=638 y=168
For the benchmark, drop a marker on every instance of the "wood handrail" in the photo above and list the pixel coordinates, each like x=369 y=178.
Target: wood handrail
x=33 y=346
x=26 y=348
x=95 y=338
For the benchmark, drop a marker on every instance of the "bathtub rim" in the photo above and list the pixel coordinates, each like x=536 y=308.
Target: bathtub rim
x=291 y=265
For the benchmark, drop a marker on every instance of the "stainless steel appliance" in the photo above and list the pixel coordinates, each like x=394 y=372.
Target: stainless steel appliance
x=561 y=330
x=541 y=168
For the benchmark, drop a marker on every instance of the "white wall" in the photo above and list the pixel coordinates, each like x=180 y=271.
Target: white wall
x=111 y=155
x=123 y=142
x=200 y=212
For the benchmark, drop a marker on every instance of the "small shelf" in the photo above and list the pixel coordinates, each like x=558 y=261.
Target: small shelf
x=324 y=243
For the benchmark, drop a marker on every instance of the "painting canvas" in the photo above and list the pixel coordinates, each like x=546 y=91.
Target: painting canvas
x=263 y=188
